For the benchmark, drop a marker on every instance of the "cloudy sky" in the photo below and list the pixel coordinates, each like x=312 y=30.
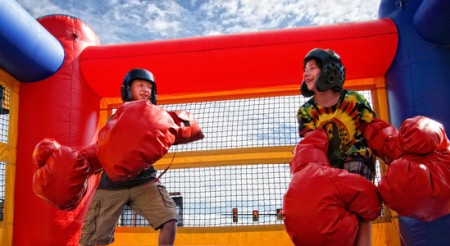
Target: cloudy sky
x=124 y=21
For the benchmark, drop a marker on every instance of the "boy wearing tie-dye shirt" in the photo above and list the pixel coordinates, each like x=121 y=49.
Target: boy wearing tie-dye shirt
x=347 y=148
x=340 y=112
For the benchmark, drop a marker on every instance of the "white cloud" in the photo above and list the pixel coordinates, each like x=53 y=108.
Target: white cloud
x=119 y=21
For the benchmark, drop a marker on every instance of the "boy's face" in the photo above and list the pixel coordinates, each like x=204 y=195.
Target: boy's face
x=310 y=74
x=141 y=89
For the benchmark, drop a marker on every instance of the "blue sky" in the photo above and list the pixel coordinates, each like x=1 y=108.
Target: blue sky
x=124 y=21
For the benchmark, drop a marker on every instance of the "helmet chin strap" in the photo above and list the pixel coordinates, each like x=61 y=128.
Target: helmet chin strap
x=305 y=91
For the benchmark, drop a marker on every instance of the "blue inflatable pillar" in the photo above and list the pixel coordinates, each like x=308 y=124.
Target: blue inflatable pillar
x=417 y=81
x=28 y=51
x=418 y=233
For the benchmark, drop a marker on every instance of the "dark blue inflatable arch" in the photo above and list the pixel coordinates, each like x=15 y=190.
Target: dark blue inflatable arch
x=418 y=79
x=418 y=233
x=418 y=83
x=29 y=51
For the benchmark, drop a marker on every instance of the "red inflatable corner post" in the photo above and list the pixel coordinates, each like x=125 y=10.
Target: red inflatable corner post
x=62 y=107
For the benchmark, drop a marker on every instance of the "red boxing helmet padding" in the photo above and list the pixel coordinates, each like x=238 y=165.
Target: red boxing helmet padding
x=61 y=175
x=323 y=205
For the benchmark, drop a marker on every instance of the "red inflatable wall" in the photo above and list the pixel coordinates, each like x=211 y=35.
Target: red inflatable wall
x=63 y=107
x=241 y=61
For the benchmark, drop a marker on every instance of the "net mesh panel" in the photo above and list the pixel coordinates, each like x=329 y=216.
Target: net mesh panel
x=256 y=122
x=233 y=195
x=2 y=189
x=4 y=129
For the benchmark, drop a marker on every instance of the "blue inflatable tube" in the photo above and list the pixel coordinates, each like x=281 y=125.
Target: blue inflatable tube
x=417 y=81
x=28 y=51
x=432 y=21
x=418 y=233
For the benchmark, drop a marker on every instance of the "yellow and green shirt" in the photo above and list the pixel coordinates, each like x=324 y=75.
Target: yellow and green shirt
x=342 y=122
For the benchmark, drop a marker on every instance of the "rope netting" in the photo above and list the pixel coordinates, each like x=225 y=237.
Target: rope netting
x=5 y=100
x=234 y=194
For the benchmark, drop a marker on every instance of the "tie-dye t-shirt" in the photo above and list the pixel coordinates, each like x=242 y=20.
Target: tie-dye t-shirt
x=342 y=122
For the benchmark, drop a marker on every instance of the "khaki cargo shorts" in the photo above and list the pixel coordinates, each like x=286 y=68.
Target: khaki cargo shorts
x=152 y=201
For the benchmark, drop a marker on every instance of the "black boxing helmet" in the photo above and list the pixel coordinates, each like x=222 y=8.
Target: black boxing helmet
x=332 y=71
x=137 y=73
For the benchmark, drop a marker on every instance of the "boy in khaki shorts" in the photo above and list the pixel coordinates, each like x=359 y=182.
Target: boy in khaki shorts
x=144 y=193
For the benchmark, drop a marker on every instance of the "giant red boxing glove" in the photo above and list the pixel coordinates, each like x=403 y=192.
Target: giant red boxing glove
x=323 y=205
x=417 y=184
x=61 y=174
x=189 y=130
x=382 y=138
x=90 y=152
x=316 y=146
x=43 y=150
x=422 y=135
x=135 y=137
